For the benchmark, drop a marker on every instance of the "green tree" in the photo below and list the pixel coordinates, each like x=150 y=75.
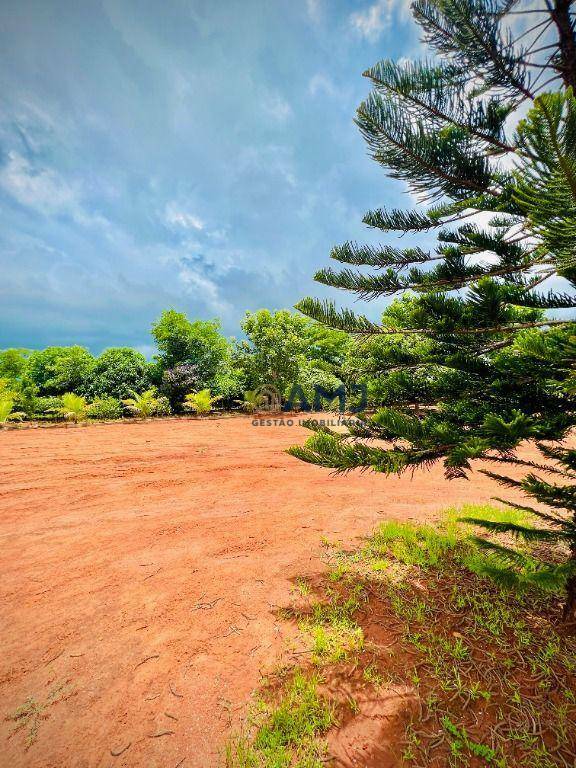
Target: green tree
x=13 y=372
x=272 y=352
x=199 y=343
x=56 y=370
x=317 y=383
x=444 y=126
x=13 y=363
x=115 y=372
x=325 y=345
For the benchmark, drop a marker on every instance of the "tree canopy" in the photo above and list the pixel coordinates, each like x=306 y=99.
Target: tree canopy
x=484 y=133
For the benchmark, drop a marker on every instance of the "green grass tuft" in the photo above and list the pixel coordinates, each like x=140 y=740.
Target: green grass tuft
x=291 y=731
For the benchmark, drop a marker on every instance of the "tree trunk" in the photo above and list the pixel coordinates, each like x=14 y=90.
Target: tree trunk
x=569 y=614
x=566 y=66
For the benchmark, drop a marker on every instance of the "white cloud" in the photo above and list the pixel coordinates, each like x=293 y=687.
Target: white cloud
x=194 y=281
x=277 y=108
x=267 y=160
x=320 y=83
x=371 y=22
x=376 y=18
x=314 y=8
x=148 y=350
x=43 y=190
x=177 y=217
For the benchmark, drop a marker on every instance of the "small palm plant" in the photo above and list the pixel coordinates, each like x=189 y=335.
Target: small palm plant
x=142 y=405
x=6 y=412
x=200 y=402
x=72 y=407
x=252 y=400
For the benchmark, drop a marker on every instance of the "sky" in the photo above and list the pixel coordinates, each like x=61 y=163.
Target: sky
x=199 y=155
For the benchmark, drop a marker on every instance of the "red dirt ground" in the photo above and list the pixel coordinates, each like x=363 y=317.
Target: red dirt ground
x=142 y=568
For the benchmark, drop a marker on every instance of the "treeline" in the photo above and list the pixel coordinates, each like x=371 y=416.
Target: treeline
x=196 y=366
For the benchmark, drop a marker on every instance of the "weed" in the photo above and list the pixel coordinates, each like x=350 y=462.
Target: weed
x=290 y=731
x=460 y=741
x=28 y=715
x=337 y=573
x=353 y=705
x=303 y=587
x=372 y=676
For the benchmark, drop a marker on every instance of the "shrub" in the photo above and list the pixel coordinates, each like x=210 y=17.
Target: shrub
x=178 y=381
x=162 y=407
x=142 y=405
x=252 y=401
x=313 y=381
x=45 y=407
x=105 y=408
x=72 y=407
x=200 y=402
x=7 y=412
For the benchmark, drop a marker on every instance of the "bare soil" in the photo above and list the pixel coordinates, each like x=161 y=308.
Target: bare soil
x=143 y=566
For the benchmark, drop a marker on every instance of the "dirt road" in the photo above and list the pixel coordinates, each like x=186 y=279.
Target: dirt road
x=142 y=565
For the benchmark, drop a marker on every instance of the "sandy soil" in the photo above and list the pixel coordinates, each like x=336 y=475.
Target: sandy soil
x=142 y=568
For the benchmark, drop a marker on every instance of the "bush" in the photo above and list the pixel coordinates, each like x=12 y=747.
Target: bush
x=45 y=407
x=162 y=407
x=177 y=382
x=72 y=407
x=200 y=402
x=143 y=404
x=7 y=412
x=105 y=408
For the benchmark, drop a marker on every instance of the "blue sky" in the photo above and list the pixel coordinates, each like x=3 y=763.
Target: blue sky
x=192 y=154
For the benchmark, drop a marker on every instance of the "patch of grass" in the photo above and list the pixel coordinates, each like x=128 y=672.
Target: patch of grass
x=338 y=572
x=303 y=587
x=334 y=633
x=335 y=641
x=407 y=606
x=485 y=512
x=27 y=717
x=288 y=733
x=412 y=544
x=372 y=676
x=493 y=672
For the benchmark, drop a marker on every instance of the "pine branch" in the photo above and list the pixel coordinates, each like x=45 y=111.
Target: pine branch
x=426 y=86
x=326 y=313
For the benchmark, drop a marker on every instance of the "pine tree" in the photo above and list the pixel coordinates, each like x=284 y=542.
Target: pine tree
x=484 y=133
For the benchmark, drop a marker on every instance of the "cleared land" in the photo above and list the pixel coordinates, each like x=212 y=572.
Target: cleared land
x=143 y=567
